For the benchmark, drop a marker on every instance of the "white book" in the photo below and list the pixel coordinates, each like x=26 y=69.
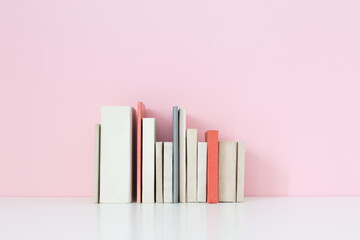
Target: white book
x=227 y=171
x=191 y=168
x=240 y=172
x=159 y=172
x=201 y=171
x=97 y=163
x=148 y=160
x=168 y=172
x=182 y=155
x=116 y=154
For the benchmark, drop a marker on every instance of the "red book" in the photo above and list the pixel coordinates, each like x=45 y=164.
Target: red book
x=212 y=139
x=140 y=115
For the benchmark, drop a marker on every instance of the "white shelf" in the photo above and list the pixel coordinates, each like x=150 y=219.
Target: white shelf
x=256 y=218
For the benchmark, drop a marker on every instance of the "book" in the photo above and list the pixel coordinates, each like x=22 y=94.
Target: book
x=175 y=154
x=97 y=163
x=182 y=155
x=240 y=172
x=191 y=167
x=201 y=172
x=159 y=172
x=116 y=154
x=140 y=115
x=212 y=139
x=227 y=171
x=148 y=160
x=168 y=172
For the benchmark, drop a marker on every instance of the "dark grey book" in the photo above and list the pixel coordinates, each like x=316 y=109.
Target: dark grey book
x=175 y=154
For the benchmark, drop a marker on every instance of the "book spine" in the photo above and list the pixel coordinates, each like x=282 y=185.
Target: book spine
x=227 y=171
x=116 y=154
x=168 y=172
x=97 y=163
x=182 y=155
x=159 y=172
x=148 y=160
x=201 y=172
x=191 y=170
x=240 y=172
x=140 y=115
x=175 y=154
x=212 y=139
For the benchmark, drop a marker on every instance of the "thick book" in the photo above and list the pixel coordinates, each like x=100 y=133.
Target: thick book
x=240 y=172
x=148 y=160
x=212 y=139
x=201 y=171
x=140 y=115
x=116 y=154
x=97 y=163
x=175 y=154
x=191 y=168
x=159 y=172
x=168 y=172
x=227 y=171
x=182 y=155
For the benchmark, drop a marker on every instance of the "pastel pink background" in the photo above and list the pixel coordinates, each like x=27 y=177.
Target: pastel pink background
x=282 y=75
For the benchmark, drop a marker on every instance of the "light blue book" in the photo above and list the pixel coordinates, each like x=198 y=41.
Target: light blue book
x=175 y=154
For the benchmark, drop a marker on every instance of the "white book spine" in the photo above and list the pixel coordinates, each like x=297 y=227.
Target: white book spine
x=227 y=171
x=240 y=172
x=191 y=168
x=182 y=155
x=168 y=172
x=116 y=154
x=148 y=160
x=159 y=172
x=97 y=163
x=201 y=170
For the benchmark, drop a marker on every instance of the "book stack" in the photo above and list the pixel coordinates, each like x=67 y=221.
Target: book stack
x=131 y=166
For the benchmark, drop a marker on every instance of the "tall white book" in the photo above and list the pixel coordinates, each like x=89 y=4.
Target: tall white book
x=191 y=168
x=116 y=154
x=240 y=172
x=227 y=171
x=168 y=173
x=159 y=172
x=97 y=163
x=182 y=155
x=201 y=171
x=148 y=160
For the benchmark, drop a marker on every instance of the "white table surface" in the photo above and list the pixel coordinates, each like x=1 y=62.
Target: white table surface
x=256 y=218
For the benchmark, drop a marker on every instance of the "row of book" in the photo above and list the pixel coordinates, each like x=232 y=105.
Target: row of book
x=183 y=170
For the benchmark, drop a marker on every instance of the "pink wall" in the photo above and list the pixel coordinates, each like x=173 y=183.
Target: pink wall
x=283 y=76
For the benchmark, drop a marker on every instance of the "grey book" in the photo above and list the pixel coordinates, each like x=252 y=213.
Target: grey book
x=175 y=154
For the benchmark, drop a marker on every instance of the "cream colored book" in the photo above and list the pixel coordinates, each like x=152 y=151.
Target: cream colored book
x=97 y=163
x=182 y=155
x=148 y=160
x=168 y=173
x=201 y=171
x=159 y=172
x=227 y=171
x=116 y=154
x=240 y=172
x=191 y=168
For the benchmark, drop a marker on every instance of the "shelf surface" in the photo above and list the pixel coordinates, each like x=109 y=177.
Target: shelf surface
x=256 y=218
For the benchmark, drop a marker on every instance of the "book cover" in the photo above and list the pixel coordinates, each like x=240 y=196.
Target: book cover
x=116 y=154
x=191 y=168
x=182 y=155
x=201 y=172
x=212 y=139
x=168 y=172
x=148 y=160
x=175 y=154
x=159 y=172
x=240 y=172
x=227 y=171
x=97 y=163
x=140 y=115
